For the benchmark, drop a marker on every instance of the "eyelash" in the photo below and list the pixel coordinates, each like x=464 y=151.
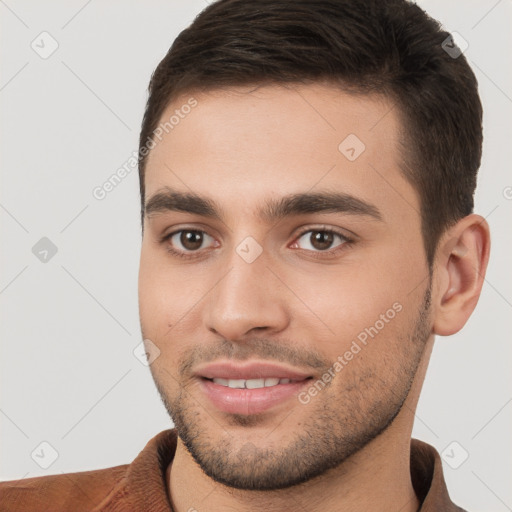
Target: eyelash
x=347 y=242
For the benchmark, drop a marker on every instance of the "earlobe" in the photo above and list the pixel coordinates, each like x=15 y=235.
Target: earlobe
x=460 y=266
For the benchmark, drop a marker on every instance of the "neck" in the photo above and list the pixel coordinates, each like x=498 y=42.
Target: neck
x=376 y=478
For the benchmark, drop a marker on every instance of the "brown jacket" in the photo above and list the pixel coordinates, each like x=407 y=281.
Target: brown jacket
x=141 y=485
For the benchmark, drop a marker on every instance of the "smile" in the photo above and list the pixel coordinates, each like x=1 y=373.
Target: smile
x=251 y=383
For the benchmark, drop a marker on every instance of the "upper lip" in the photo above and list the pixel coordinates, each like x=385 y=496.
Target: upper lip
x=250 y=370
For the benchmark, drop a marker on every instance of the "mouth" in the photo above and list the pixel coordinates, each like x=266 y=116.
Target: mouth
x=252 y=388
x=253 y=383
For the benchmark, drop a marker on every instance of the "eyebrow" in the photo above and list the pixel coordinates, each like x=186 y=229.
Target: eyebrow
x=167 y=199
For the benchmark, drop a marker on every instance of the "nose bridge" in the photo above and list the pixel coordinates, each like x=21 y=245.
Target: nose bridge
x=248 y=294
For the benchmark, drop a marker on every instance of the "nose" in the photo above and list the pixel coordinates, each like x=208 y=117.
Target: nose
x=249 y=297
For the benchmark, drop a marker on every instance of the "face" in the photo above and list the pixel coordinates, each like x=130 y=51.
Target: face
x=283 y=281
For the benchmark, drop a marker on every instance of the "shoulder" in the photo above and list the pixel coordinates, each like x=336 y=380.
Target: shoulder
x=62 y=492
x=125 y=487
x=428 y=479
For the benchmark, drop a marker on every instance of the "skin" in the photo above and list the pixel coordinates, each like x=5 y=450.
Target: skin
x=348 y=448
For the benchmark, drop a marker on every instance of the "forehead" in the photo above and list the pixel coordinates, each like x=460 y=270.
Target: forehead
x=240 y=146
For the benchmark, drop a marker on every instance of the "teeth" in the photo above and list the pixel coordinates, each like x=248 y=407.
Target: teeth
x=236 y=383
x=251 y=383
x=255 y=383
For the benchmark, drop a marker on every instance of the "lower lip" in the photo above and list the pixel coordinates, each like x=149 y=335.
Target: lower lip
x=249 y=401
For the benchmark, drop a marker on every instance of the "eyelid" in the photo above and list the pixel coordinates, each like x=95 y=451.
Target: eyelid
x=344 y=233
x=347 y=240
x=202 y=228
x=334 y=252
x=164 y=238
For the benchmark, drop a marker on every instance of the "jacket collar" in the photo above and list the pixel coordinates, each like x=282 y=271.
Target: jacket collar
x=144 y=486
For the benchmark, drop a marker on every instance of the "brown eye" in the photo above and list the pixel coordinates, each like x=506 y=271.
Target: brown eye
x=319 y=240
x=188 y=240
x=191 y=240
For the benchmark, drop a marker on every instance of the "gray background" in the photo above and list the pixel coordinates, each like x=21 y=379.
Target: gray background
x=69 y=325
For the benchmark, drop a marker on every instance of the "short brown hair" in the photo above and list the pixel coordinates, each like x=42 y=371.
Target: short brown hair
x=389 y=47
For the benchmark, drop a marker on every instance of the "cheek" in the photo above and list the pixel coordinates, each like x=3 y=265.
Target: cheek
x=156 y=295
x=347 y=300
x=167 y=296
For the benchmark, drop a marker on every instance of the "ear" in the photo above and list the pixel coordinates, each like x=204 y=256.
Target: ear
x=460 y=265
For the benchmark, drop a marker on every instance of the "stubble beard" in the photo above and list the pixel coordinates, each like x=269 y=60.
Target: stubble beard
x=333 y=431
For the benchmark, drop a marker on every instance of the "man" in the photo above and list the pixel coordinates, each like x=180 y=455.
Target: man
x=307 y=172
